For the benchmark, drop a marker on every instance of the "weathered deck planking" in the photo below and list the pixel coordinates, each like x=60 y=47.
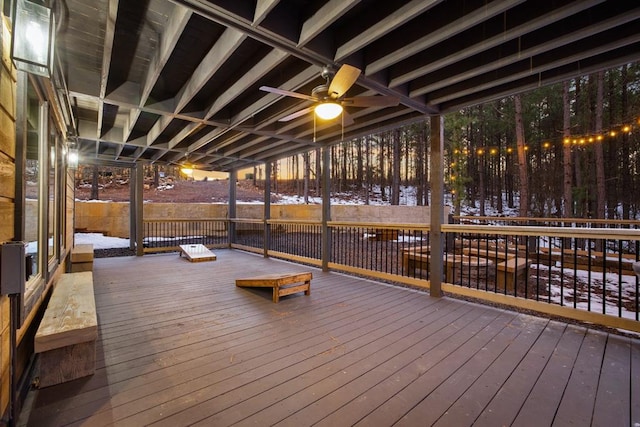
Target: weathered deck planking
x=180 y=344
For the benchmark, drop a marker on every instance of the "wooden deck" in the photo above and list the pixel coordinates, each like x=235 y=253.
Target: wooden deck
x=180 y=344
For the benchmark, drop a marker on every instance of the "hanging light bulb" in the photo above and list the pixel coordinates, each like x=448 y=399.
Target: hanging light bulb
x=186 y=168
x=328 y=110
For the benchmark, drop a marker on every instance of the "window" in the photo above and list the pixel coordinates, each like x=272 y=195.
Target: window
x=40 y=189
x=32 y=125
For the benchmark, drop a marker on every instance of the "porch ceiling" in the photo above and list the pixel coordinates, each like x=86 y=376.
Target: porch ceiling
x=157 y=80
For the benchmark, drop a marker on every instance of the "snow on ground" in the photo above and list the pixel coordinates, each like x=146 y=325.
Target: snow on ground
x=624 y=287
x=100 y=241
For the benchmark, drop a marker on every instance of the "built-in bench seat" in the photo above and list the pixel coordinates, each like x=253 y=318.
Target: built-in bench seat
x=511 y=271
x=66 y=336
x=82 y=258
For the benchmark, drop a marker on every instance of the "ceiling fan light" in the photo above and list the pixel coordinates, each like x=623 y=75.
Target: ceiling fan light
x=328 y=110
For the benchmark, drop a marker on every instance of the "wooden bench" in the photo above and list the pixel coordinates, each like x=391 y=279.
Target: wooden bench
x=282 y=284
x=510 y=271
x=498 y=255
x=197 y=253
x=66 y=336
x=82 y=258
x=464 y=269
x=415 y=258
x=382 y=234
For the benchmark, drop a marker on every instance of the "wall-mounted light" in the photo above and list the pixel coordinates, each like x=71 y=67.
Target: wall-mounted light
x=328 y=110
x=187 y=170
x=33 y=38
x=72 y=158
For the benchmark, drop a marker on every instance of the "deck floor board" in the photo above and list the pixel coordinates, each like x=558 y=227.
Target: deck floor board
x=180 y=344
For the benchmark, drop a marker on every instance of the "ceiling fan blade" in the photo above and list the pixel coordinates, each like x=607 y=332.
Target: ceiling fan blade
x=296 y=114
x=371 y=101
x=343 y=80
x=287 y=93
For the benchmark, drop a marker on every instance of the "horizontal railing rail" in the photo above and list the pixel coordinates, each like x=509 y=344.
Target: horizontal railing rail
x=550 y=222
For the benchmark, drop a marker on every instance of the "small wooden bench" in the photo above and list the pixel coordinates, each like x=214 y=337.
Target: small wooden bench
x=282 y=284
x=464 y=269
x=66 y=336
x=82 y=258
x=197 y=253
x=498 y=255
x=510 y=271
x=415 y=258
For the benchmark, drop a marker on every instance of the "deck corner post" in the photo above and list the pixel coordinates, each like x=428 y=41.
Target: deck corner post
x=326 y=207
x=267 y=208
x=139 y=204
x=437 y=204
x=133 y=234
x=233 y=206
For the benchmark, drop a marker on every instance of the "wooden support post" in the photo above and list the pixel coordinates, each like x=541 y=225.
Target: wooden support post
x=437 y=205
x=133 y=233
x=139 y=171
x=267 y=209
x=233 y=205
x=326 y=207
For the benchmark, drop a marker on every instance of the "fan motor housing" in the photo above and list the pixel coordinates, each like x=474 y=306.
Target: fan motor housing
x=320 y=92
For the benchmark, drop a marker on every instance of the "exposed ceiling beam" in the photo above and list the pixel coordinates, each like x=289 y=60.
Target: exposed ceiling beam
x=220 y=15
x=248 y=79
x=441 y=34
x=263 y=7
x=429 y=64
x=175 y=27
x=109 y=36
x=390 y=23
x=543 y=46
x=536 y=81
x=324 y=17
x=528 y=68
x=228 y=42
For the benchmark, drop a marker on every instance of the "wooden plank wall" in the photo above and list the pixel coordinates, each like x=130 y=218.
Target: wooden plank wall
x=7 y=191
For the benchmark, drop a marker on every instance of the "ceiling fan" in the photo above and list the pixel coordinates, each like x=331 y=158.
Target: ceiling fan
x=328 y=98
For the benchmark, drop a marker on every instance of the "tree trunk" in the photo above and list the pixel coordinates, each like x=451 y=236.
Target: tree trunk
x=600 y=176
x=94 y=183
x=368 y=171
x=522 y=161
x=395 y=182
x=567 y=163
x=318 y=170
x=307 y=172
x=626 y=184
x=360 y=164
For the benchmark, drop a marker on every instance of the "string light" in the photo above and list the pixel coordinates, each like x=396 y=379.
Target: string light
x=574 y=140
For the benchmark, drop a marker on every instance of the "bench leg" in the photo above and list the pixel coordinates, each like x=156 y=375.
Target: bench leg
x=67 y=363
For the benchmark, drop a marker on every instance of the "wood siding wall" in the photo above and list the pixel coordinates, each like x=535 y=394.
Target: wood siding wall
x=7 y=194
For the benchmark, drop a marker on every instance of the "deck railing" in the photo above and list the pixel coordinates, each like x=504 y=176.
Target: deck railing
x=577 y=272
x=248 y=234
x=165 y=235
x=546 y=222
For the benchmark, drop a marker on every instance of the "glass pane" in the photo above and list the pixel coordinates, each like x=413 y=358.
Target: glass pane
x=51 y=215
x=32 y=190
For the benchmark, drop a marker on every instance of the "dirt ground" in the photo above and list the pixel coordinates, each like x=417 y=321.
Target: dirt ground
x=212 y=191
